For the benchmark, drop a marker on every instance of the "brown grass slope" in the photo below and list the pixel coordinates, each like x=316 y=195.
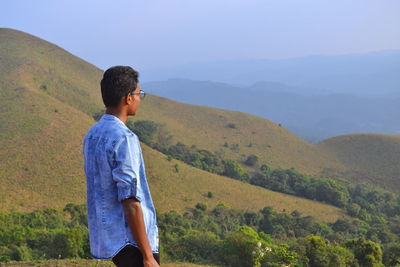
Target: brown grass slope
x=207 y=128
x=42 y=92
x=40 y=65
x=46 y=98
x=178 y=190
x=40 y=162
x=51 y=70
x=39 y=171
x=371 y=158
x=42 y=130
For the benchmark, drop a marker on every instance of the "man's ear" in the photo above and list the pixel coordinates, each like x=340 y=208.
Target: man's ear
x=129 y=98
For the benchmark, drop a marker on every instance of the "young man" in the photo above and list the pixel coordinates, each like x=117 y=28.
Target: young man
x=121 y=215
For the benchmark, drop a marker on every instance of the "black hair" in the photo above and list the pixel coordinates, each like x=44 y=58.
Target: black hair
x=118 y=82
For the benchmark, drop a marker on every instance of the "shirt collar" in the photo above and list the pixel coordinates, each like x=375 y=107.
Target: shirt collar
x=111 y=118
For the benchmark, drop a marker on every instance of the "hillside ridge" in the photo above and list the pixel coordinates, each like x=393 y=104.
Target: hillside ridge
x=48 y=95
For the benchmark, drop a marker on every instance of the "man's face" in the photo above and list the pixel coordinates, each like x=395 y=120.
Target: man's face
x=134 y=101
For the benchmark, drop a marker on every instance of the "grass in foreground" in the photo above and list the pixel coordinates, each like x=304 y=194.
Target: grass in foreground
x=88 y=263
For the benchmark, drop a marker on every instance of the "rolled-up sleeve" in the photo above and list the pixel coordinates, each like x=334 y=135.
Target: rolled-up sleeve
x=126 y=167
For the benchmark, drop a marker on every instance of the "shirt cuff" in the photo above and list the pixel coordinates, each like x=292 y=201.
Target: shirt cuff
x=128 y=191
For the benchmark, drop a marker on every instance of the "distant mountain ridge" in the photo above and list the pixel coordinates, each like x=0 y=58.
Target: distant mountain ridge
x=374 y=73
x=309 y=113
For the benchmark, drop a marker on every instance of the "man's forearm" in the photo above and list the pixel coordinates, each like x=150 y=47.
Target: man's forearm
x=134 y=217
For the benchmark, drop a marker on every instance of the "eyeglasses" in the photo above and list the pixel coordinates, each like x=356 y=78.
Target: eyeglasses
x=141 y=94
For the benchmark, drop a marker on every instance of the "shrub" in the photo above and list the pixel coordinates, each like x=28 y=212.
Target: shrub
x=233 y=169
x=145 y=130
x=367 y=253
x=196 y=247
x=244 y=248
x=251 y=160
x=201 y=206
x=265 y=168
x=391 y=255
x=176 y=168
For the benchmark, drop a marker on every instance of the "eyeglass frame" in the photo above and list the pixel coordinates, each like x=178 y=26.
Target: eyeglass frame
x=141 y=94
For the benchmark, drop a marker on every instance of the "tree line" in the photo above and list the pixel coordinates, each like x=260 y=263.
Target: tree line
x=220 y=236
x=360 y=201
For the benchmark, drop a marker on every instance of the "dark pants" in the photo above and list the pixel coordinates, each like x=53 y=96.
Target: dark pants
x=131 y=256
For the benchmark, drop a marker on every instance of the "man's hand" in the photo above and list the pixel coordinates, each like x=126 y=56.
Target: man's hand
x=150 y=262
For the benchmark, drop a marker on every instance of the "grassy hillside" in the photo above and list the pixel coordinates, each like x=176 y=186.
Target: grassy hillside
x=47 y=97
x=372 y=158
x=173 y=190
x=28 y=61
x=49 y=173
x=42 y=130
x=40 y=162
x=209 y=128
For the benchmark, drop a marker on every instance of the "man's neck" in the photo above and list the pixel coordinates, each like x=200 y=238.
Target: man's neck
x=120 y=114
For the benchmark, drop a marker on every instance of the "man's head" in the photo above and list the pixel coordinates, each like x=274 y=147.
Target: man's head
x=120 y=88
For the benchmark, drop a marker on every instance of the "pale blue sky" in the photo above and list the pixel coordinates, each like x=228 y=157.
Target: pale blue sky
x=157 y=33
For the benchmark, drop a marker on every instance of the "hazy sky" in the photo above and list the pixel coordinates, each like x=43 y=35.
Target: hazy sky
x=154 y=33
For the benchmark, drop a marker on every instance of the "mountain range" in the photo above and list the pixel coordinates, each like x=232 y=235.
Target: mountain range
x=374 y=73
x=311 y=114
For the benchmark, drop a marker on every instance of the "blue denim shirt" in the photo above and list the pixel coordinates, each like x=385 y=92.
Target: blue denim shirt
x=114 y=169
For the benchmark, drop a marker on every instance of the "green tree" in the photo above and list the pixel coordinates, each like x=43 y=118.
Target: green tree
x=341 y=257
x=316 y=250
x=332 y=192
x=5 y=254
x=265 y=168
x=233 y=169
x=146 y=131
x=163 y=138
x=278 y=256
x=21 y=253
x=251 y=160
x=197 y=247
x=69 y=243
x=353 y=209
x=241 y=248
x=367 y=253
x=391 y=255
x=77 y=213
